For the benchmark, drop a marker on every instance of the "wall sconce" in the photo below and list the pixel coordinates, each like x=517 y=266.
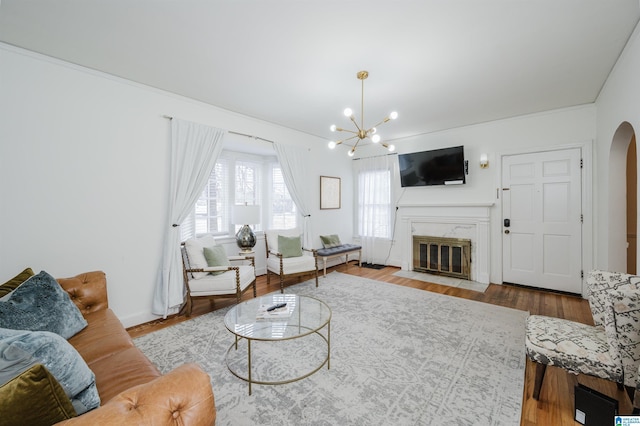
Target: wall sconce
x=484 y=161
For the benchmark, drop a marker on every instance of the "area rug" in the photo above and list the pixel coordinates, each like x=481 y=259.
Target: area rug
x=440 y=279
x=399 y=356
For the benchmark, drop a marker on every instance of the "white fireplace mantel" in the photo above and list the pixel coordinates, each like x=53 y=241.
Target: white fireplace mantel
x=460 y=220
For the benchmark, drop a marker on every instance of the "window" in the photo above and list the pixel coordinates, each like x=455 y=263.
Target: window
x=210 y=213
x=374 y=203
x=239 y=178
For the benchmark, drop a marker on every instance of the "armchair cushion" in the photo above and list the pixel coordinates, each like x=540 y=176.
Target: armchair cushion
x=291 y=265
x=195 y=252
x=40 y=304
x=622 y=325
x=224 y=283
x=289 y=246
x=600 y=284
x=572 y=346
x=216 y=256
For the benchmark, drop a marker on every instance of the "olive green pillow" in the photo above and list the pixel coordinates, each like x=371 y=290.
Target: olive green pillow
x=329 y=241
x=14 y=282
x=216 y=256
x=289 y=246
x=34 y=398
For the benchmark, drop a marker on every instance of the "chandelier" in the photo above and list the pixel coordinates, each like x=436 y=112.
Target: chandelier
x=361 y=132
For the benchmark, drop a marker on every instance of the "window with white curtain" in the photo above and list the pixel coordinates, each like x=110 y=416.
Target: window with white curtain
x=240 y=178
x=374 y=203
x=284 y=214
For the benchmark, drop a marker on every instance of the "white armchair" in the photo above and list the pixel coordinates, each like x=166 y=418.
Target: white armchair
x=222 y=279
x=286 y=257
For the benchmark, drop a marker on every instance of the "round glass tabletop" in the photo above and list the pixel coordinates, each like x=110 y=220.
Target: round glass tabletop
x=294 y=316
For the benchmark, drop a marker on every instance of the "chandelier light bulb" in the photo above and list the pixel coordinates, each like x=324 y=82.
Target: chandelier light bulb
x=351 y=152
x=393 y=115
x=333 y=128
x=392 y=148
x=373 y=131
x=375 y=138
x=332 y=144
x=348 y=112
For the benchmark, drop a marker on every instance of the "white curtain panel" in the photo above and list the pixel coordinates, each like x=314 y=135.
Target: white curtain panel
x=292 y=161
x=374 y=215
x=194 y=151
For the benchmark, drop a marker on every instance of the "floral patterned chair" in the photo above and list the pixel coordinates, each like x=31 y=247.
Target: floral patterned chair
x=610 y=349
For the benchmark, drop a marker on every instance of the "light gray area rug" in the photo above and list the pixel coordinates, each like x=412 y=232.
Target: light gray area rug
x=399 y=356
x=443 y=280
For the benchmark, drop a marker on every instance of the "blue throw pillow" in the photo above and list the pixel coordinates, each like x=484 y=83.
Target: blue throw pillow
x=40 y=304
x=20 y=350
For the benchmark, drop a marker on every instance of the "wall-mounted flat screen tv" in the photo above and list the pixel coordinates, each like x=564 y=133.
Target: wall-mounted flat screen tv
x=435 y=167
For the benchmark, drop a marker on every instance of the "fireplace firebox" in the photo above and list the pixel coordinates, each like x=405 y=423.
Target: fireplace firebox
x=443 y=256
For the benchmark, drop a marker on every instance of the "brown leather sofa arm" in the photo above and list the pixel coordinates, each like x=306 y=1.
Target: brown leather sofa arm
x=180 y=397
x=88 y=291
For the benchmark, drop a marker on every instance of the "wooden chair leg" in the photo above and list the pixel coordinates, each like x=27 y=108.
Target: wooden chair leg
x=281 y=283
x=189 y=305
x=540 y=370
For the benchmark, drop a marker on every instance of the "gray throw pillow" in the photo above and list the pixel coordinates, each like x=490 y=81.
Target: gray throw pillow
x=40 y=304
x=289 y=246
x=20 y=350
x=216 y=256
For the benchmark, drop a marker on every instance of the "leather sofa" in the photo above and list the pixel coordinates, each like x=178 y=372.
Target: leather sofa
x=131 y=389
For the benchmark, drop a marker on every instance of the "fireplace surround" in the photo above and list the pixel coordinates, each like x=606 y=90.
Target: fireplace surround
x=469 y=221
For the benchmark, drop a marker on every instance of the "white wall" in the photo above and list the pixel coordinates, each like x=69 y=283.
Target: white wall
x=618 y=108
x=548 y=130
x=84 y=169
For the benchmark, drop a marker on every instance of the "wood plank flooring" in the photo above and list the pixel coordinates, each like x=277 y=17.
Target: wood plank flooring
x=555 y=406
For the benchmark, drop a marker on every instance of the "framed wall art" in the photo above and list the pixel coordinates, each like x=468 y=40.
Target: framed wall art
x=329 y=192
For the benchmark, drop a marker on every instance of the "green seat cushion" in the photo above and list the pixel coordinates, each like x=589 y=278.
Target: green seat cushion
x=216 y=256
x=289 y=246
x=14 y=282
x=34 y=398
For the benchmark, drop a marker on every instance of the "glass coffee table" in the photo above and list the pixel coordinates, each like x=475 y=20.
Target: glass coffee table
x=304 y=319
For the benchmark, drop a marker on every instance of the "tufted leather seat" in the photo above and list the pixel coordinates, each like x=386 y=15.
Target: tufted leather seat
x=131 y=389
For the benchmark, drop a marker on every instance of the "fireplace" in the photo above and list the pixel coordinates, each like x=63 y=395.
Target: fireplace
x=443 y=256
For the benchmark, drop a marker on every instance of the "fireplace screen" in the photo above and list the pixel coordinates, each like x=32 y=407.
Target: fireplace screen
x=444 y=256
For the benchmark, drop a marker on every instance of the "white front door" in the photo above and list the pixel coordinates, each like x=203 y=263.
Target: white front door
x=542 y=219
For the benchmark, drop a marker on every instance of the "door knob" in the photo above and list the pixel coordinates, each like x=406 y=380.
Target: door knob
x=506 y=231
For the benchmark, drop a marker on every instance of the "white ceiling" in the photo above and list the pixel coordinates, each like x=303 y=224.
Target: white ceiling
x=439 y=63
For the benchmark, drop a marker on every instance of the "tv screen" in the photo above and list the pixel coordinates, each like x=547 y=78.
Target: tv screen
x=436 y=167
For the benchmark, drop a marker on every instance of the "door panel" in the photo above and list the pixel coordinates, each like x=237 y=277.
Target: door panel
x=542 y=193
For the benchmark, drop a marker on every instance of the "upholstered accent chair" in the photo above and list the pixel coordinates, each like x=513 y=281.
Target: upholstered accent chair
x=609 y=349
x=286 y=257
x=209 y=272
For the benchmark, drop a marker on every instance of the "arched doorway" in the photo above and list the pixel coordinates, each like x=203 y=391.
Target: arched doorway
x=619 y=208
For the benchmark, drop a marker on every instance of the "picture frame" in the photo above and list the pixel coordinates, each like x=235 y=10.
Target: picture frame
x=330 y=196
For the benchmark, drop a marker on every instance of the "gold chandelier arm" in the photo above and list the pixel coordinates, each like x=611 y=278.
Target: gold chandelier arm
x=353 y=120
x=338 y=129
x=382 y=122
x=347 y=139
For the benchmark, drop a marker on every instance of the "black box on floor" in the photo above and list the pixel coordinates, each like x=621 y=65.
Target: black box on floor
x=594 y=408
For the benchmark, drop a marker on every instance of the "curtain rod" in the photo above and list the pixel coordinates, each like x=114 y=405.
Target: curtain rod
x=375 y=156
x=232 y=132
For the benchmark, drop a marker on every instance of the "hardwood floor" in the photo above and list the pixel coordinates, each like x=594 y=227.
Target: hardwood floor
x=555 y=406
